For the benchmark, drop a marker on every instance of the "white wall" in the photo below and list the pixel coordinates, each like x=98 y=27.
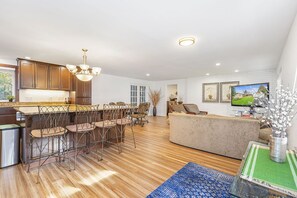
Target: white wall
x=181 y=90
x=194 y=89
x=171 y=91
x=288 y=73
x=109 y=88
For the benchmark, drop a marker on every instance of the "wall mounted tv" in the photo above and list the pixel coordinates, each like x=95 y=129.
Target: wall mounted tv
x=245 y=95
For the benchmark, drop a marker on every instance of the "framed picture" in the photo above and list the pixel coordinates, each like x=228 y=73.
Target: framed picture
x=210 y=92
x=225 y=87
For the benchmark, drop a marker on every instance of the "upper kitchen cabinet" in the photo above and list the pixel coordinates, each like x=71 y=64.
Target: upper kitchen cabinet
x=39 y=75
x=27 y=74
x=65 y=79
x=55 y=77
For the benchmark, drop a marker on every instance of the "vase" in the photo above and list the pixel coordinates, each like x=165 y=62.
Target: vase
x=154 y=111
x=10 y=100
x=278 y=148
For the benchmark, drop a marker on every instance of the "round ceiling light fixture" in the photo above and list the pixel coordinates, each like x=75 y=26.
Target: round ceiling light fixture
x=186 y=41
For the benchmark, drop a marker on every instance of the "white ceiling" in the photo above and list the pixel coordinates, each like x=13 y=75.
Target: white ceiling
x=132 y=37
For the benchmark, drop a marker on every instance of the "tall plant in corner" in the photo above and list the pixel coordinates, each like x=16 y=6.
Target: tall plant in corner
x=155 y=97
x=279 y=113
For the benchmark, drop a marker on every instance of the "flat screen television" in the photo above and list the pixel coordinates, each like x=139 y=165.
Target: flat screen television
x=245 y=95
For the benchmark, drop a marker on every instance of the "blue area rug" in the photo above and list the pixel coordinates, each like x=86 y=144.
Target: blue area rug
x=195 y=181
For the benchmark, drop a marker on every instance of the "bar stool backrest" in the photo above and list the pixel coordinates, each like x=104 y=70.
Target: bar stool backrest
x=126 y=112
x=53 y=119
x=85 y=117
x=121 y=103
x=110 y=113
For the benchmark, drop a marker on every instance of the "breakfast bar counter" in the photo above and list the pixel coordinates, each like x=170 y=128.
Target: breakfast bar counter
x=31 y=117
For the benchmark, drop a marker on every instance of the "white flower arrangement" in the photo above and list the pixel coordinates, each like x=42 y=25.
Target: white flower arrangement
x=279 y=110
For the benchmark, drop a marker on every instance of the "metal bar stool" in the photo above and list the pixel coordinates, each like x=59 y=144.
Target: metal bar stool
x=85 y=118
x=126 y=120
x=107 y=125
x=52 y=121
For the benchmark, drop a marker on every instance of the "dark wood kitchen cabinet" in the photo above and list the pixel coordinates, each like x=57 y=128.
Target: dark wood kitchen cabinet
x=41 y=76
x=54 y=77
x=59 y=78
x=83 y=89
x=83 y=92
x=27 y=74
x=65 y=79
x=7 y=115
x=83 y=101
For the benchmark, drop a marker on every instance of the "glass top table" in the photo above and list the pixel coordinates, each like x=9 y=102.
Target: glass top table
x=244 y=188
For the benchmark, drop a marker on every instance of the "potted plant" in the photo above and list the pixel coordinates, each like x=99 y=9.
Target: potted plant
x=155 y=97
x=279 y=113
x=10 y=98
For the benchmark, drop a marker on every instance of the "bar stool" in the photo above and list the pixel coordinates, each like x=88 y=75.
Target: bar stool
x=126 y=120
x=107 y=125
x=85 y=118
x=51 y=121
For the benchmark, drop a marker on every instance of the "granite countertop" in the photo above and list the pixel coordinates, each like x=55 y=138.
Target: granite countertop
x=28 y=104
x=34 y=110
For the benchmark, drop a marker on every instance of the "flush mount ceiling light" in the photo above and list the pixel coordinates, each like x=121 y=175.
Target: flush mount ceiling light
x=84 y=72
x=147 y=74
x=207 y=74
x=236 y=70
x=218 y=64
x=186 y=41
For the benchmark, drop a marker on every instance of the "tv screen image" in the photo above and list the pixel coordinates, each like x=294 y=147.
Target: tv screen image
x=245 y=95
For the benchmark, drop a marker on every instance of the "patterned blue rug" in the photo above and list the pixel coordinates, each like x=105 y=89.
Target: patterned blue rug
x=195 y=181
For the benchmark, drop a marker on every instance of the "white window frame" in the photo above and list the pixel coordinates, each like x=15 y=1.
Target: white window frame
x=138 y=95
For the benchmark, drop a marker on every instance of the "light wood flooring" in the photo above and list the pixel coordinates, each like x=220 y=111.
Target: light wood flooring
x=133 y=173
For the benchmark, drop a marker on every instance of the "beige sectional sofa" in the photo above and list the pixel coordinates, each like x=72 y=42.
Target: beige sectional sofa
x=228 y=136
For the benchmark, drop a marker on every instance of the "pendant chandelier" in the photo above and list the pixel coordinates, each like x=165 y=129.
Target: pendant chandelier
x=84 y=72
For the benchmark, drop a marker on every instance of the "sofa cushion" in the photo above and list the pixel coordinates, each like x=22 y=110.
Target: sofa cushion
x=178 y=108
x=192 y=108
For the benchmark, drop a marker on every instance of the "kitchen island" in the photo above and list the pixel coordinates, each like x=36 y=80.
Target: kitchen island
x=31 y=117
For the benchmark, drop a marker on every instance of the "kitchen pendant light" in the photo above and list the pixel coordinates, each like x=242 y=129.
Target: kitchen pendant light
x=84 y=72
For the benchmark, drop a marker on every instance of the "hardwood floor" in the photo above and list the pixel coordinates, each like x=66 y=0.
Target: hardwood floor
x=133 y=173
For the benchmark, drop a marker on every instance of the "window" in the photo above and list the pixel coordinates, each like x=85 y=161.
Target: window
x=142 y=94
x=137 y=94
x=133 y=94
x=7 y=82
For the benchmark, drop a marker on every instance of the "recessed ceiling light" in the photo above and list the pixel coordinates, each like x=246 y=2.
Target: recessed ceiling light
x=27 y=57
x=218 y=64
x=147 y=74
x=236 y=70
x=186 y=41
x=207 y=74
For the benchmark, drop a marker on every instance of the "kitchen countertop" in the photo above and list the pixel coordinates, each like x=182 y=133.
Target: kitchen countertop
x=34 y=110
x=28 y=104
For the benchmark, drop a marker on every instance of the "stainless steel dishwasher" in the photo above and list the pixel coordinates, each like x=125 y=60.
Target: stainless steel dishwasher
x=9 y=145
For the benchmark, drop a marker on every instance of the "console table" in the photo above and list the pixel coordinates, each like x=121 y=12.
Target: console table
x=243 y=187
